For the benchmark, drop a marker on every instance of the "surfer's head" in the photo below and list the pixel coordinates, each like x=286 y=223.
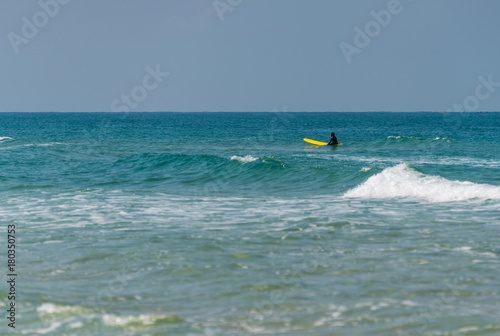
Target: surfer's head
x=333 y=134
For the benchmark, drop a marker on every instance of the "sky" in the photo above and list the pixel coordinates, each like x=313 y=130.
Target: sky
x=249 y=55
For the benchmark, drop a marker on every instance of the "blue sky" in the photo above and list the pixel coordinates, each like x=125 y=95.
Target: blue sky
x=248 y=55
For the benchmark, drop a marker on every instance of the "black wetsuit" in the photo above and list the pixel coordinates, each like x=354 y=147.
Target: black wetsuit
x=333 y=141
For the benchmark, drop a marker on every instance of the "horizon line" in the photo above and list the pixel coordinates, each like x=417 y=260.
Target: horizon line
x=374 y=111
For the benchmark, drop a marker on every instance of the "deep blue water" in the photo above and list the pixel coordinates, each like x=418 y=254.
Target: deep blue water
x=231 y=224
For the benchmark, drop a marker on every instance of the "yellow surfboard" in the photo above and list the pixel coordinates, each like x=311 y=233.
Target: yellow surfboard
x=317 y=143
x=314 y=142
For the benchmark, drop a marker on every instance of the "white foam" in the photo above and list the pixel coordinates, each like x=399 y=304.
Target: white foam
x=244 y=159
x=417 y=138
x=5 y=138
x=138 y=320
x=47 y=144
x=402 y=181
x=446 y=161
x=32 y=145
x=42 y=331
x=53 y=309
x=467 y=329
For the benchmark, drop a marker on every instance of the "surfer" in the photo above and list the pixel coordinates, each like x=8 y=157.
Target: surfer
x=333 y=140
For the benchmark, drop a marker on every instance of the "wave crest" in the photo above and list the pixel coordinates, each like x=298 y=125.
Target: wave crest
x=403 y=181
x=414 y=138
x=244 y=159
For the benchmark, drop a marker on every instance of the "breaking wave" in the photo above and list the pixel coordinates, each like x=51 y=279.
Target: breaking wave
x=402 y=181
x=244 y=159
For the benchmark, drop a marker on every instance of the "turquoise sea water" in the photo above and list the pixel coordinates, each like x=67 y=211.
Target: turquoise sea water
x=230 y=224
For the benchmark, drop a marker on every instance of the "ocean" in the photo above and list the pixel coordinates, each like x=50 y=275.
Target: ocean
x=231 y=224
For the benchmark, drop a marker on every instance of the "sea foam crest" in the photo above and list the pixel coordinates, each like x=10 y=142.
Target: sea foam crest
x=54 y=309
x=403 y=181
x=401 y=137
x=5 y=138
x=244 y=159
x=139 y=320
